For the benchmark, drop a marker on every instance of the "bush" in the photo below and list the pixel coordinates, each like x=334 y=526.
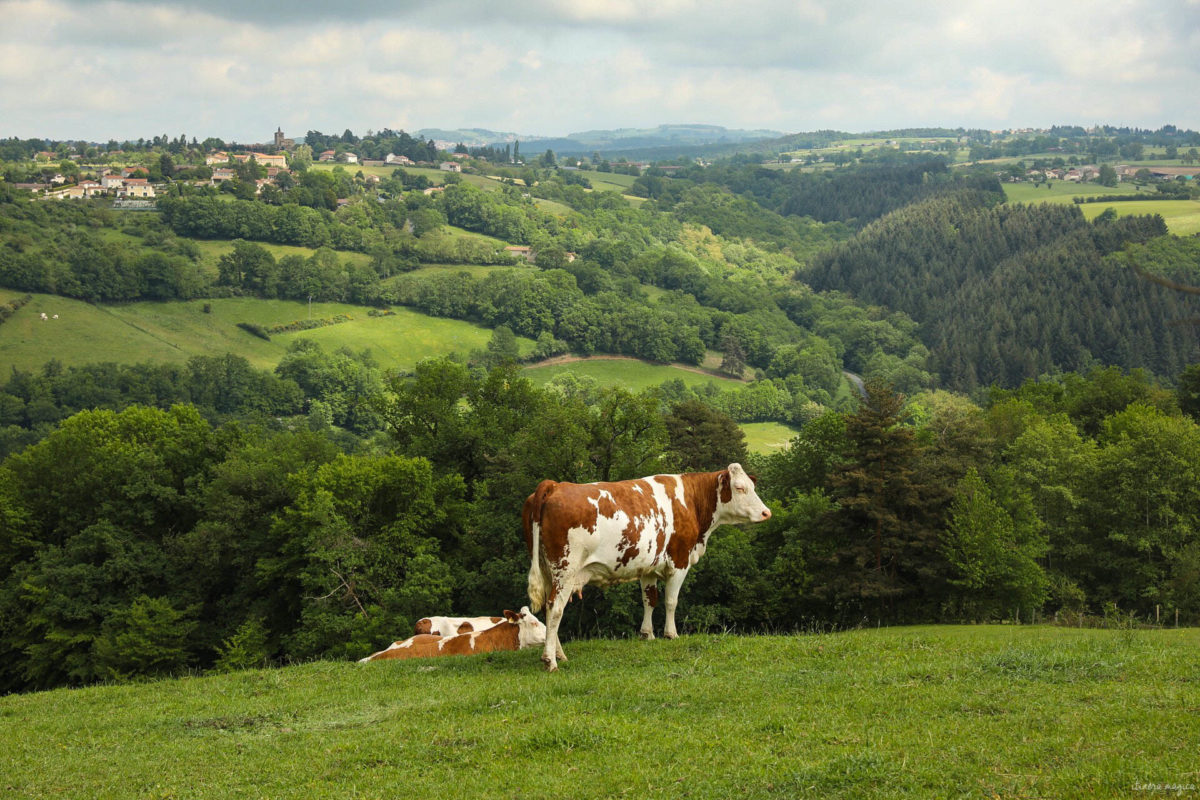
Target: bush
x=255 y=330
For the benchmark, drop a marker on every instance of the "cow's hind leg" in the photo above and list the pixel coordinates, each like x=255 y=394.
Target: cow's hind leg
x=649 y=601
x=673 y=584
x=553 y=651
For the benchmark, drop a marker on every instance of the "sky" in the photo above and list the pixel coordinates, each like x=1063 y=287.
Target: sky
x=238 y=69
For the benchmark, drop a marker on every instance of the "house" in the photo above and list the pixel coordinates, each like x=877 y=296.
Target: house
x=219 y=157
x=327 y=155
x=450 y=166
x=350 y=158
x=129 y=172
x=112 y=181
x=392 y=158
x=432 y=189
x=522 y=250
x=265 y=159
x=223 y=174
x=136 y=187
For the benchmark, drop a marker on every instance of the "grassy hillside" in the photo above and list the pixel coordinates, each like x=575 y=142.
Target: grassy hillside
x=631 y=373
x=166 y=332
x=978 y=711
x=765 y=437
x=1182 y=216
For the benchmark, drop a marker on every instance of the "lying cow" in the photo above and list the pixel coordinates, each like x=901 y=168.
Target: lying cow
x=450 y=626
x=515 y=632
x=645 y=530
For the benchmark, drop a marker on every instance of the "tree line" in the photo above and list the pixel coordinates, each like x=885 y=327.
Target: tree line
x=148 y=540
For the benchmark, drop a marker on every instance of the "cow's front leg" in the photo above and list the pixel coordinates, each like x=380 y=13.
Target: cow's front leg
x=673 y=584
x=649 y=601
x=553 y=651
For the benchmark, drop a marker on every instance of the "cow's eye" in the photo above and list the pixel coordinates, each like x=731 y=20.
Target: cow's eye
x=741 y=489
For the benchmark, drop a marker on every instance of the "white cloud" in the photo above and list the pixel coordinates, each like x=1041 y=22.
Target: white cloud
x=133 y=68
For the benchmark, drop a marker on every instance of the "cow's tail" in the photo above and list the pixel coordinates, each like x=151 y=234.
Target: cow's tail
x=539 y=580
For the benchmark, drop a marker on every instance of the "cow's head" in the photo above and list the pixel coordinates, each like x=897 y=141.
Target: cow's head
x=736 y=499
x=532 y=632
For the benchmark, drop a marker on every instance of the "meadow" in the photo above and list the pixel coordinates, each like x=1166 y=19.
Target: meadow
x=176 y=331
x=766 y=437
x=928 y=712
x=1182 y=216
x=631 y=373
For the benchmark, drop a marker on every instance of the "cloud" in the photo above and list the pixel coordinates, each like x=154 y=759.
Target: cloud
x=130 y=68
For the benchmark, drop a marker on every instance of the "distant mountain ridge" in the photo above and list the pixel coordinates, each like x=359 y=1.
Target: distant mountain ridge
x=677 y=135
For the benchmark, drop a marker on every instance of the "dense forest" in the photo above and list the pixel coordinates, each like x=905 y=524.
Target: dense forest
x=1010 y=292
x=211 y=515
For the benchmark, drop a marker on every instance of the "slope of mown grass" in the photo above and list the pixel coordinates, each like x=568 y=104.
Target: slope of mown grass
x=631 y=373
x=956 y=711
x=1182 y=216
x=767 y=437
x=174 y=332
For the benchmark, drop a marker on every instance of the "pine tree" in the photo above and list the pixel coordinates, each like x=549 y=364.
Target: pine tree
x=884 y=558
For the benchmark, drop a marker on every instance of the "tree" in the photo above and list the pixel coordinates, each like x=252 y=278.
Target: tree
x=993 y=554
x=703 y=439
x=733 y=362
x=1107 y=176
x=884 y=558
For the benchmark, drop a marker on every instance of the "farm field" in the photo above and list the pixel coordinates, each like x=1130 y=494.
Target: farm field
x=436 y=176
x=631 y=373
x=1064 y=191
x=767 y=437
x=174 y=332
x=952 y=711
x=1182 y=216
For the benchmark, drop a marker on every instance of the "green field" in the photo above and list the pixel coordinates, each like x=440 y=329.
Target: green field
x=1063 y=191
x=174 y=332
x=921 y=712
x=1182 y=216
x=633 y=374
x=766 y=437
x=436 y=176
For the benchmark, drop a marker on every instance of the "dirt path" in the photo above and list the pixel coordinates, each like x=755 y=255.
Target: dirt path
x=556 y=360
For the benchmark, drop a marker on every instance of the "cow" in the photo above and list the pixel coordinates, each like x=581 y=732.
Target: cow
x=516 y=631
x=645 y=530
x=449 y=626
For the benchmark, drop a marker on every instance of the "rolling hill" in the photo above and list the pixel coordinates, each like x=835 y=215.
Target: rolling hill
x=993 y=711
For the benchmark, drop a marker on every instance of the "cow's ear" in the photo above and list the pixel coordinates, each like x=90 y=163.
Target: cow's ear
x=754 y=479
x=511 y=616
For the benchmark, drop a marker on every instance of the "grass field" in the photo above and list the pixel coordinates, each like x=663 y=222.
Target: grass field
x=766 y=437
x=1182 y=216
x=922 y=712
x=174 y=332
x=1063 y=191
x=632 y=374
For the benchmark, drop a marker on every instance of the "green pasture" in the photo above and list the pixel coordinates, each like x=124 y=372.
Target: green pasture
x=1182 y=216
x=921 y=712
x=767 y=437
x=174 y=332
x=436 y=176
x=608 y=181
x=1065 y=191
x=553 y=206
x=631 y=373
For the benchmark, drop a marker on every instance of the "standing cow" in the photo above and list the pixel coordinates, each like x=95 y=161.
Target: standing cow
x=646 y=529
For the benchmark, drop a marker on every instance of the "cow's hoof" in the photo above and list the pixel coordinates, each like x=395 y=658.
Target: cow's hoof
x=549 y=665
x=670 y=635
x=646 y=635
